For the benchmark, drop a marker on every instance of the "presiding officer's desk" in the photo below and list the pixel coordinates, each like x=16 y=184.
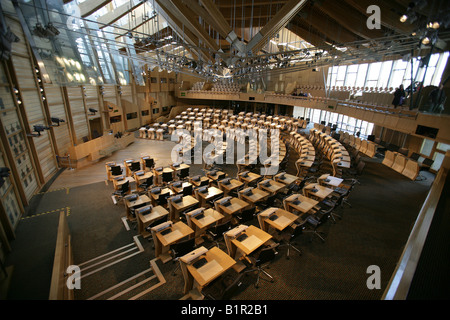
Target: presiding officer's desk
x=168 y=233
x=217 y=263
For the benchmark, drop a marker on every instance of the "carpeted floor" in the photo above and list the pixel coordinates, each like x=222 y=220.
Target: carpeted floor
x=372 y=232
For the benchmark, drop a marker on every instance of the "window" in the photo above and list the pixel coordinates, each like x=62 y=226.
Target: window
x=341 y=76
x=373 y=74
x=156 y=110
x=361 y=77
x=145 y=113
x=352 y=72
x=390 y=73
x=385 y=72
x=443 y=147
x=131 y=115
x=427 y=147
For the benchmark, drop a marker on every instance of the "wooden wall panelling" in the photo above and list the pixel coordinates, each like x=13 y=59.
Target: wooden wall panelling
x=32 y=107
x=31 y=180
x=16 y=145
x=56 y=106
x=78 y=113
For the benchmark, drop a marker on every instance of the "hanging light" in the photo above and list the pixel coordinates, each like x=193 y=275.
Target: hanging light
x=426 y=40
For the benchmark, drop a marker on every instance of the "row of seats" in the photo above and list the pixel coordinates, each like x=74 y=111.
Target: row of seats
x=400 y=163
x=368 y=148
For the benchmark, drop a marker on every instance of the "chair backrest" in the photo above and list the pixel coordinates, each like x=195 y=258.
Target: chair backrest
x=247 y=215
x=167 y=176
x=204 y=183
x=221 y=228
x=125 y=187
x=116 y=170
x=149 y=163
x=187 y=191
x=135 y=166
x=183 y=247
x=264 y=256
x=162 y=199
x=149 y=181
x=184 y=173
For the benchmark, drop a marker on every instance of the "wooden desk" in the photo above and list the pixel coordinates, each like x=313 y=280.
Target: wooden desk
x=322 y=192
x=251 y=177
x=139 y=202
x=155 y=196
x=282 y=219
x=255 y=196
x=329 y=180
x=234 y=184
x=304 y=163
x=200 y=222
x=305 y=205
x=120 y=180
x=158 y=174
x=139 y=178
x=236 y=205
x=341 y=163
x=179 y=189
x=197 y=183
x=176 y=207
x=127 y=164
x=180 y=167
x=216 y=176
x=256 y=237
x=307 y=158
x=212 y=193
x=162 y=242
x=273 y=188
x=145 y=219
x=288 y=178
x=218 y=262
x=108 y=166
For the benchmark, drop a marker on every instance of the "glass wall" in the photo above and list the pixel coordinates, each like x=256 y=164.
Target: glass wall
x=390 y=74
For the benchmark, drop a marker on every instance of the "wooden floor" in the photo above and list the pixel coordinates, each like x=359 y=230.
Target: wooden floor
x=159 y=150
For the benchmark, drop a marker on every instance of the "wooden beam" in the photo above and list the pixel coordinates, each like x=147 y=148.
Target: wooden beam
x=250 y=3
x=390 y=14
x=350 y=18
x=281 y=18
x=186 y=16
x=178 y=28
x=89 y=7
x=327 y=27
x=225 y=29
x=116 y=14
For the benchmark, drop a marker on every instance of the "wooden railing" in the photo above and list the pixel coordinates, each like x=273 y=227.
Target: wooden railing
x=402 y=277
x=63 y=259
